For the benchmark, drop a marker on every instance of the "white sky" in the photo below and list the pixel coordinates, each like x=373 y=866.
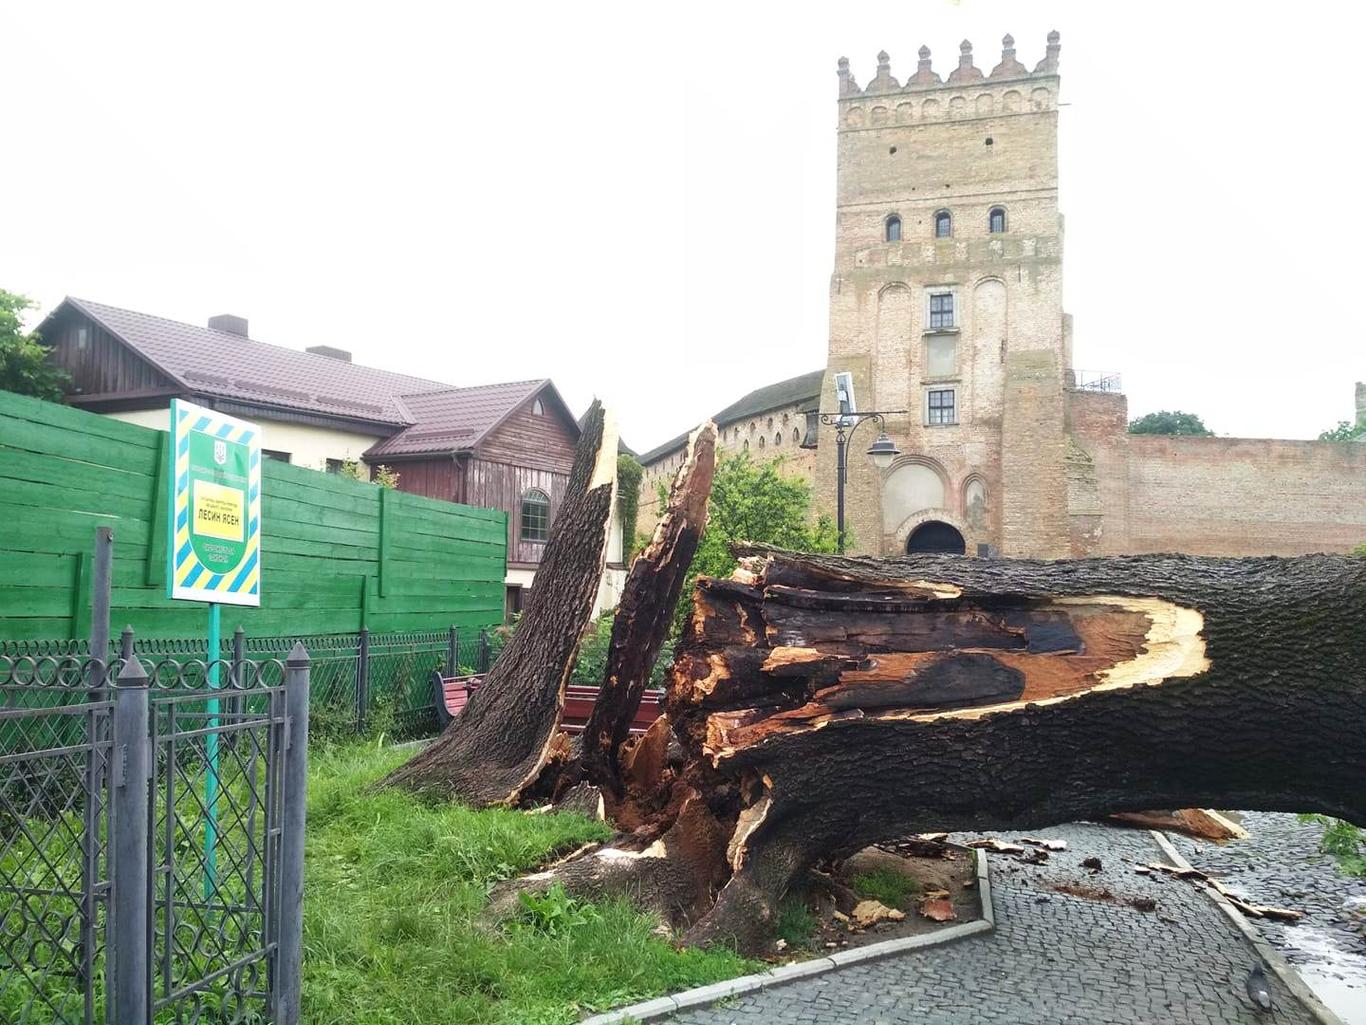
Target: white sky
x=637 y=200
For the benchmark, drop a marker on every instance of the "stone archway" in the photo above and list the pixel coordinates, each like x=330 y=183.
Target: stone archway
x=936 y=536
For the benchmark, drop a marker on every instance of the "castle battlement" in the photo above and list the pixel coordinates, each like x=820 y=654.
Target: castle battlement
x=1009 y=88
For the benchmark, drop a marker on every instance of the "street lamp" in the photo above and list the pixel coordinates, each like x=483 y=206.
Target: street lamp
x=881 y=452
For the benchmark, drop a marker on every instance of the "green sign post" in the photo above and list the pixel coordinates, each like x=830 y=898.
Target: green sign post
x=214 y=550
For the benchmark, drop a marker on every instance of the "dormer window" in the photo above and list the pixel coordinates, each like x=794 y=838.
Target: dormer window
x=943 y=224
x=996 y=220
x=893 y=228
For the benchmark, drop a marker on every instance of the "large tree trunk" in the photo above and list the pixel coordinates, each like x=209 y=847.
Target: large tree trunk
x=646 y=611
x=492 y=751
x=828 y=703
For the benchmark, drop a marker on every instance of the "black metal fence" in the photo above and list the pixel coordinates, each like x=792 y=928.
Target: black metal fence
x=151 y=839
x=359 y=680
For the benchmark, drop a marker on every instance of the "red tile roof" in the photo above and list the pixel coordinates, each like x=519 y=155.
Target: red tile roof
x=426 y=416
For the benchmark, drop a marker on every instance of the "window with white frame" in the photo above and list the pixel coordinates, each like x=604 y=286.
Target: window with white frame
x=941 y=311
x=941 y=406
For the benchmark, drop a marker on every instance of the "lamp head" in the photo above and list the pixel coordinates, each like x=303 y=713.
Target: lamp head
x=883 y=451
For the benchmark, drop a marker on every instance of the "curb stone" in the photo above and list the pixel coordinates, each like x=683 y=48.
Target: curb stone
x=702 y=996
x=1270 y=956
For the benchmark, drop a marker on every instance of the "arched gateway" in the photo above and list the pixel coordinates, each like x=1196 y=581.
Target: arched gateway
x=936 y=536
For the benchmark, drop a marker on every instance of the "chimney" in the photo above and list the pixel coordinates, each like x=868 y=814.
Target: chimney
x=227 y=322
x=329 y=352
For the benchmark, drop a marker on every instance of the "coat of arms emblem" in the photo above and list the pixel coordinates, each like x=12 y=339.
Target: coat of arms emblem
x=220 y=452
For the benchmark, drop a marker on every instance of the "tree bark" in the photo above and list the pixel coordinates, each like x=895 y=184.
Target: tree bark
x=827 y=703
x=646 y=611
x=491 y=752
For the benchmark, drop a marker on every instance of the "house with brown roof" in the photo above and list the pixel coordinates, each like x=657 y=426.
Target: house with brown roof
x=499 y=446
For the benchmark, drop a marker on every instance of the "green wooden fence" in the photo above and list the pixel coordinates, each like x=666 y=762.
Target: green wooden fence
x=336 y=554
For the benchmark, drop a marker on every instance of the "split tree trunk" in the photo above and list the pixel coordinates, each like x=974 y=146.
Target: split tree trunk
x=828 y=703
x=491 y=752
x=646 y=611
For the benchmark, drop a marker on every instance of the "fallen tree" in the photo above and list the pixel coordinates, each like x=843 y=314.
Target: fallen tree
x=497 y=748
x=646 y=611
x=826 y=703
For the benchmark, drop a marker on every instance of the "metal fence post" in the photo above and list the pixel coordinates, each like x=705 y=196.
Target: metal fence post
x=483 y=651
x=295 y=808
x=100 y=581
x=363 y=680
x=126 y=643
x=452 y=651
x=130 y=866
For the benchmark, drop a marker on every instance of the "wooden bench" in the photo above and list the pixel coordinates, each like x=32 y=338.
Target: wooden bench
x=452 y=693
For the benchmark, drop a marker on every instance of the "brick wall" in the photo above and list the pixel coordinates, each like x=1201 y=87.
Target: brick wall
x=1245 y=496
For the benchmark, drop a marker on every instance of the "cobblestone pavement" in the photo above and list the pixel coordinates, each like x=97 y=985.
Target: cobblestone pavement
x=1280 y=863
x=1054 y=959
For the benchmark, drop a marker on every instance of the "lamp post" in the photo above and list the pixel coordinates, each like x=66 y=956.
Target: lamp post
x=881 y=452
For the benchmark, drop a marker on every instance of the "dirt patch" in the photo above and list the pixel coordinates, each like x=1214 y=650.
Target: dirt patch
x=928 y=892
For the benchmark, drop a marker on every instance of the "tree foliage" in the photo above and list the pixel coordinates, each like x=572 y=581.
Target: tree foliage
x=629 y=473
x=384 y=476
x=1345 y=431
x=24 y=367
x=754 y=501
x=1170 y=422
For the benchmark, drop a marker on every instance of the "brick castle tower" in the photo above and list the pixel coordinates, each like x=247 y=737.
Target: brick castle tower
x=946 y=302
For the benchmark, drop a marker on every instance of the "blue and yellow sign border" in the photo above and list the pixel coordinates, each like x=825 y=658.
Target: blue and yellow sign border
x=187 y=577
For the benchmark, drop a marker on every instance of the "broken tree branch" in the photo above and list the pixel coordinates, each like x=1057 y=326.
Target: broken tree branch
x=491 y=752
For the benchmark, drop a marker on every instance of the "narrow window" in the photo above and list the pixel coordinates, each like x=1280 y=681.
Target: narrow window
x=941 y=311
x=778 y=439
x=537 y=409
x=761 y=441
x=996 y=220
x=943 y=224
x=894 y=228
x=940 y=407
x=535 y=516
x=796 y=436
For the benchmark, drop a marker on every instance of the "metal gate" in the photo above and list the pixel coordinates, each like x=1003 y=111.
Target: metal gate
x=151 y=840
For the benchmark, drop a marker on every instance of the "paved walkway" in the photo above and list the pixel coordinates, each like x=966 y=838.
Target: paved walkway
x=1054 y=959
x=1281 y=863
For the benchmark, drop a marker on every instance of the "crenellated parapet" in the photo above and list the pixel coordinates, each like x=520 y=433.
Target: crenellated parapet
x=967 y=92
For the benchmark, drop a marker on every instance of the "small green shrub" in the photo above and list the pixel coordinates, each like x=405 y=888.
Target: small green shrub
x=796 y=923
x=1343 y=841
x=883 y=884
x=555 y=912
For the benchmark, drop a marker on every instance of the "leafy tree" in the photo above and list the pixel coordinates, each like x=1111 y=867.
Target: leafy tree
x=753 y=502
x=1345 y=431
x=1173 y=422
x=23 y=357
x=629 y=473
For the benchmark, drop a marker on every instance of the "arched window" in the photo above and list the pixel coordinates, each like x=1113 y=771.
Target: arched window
x=943 y=224
x=746 y=444
x=893 y=226
x=761 y=441
x=996 y=220
x=535 y=516
x=537 y=409
x=777 y=439
x=796 y=436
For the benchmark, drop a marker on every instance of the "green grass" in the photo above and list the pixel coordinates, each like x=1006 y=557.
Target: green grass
x=393 y=930
x=796 y=922
x=891 y=888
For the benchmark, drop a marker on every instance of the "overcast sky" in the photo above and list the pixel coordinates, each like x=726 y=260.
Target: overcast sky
x=637 y=200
